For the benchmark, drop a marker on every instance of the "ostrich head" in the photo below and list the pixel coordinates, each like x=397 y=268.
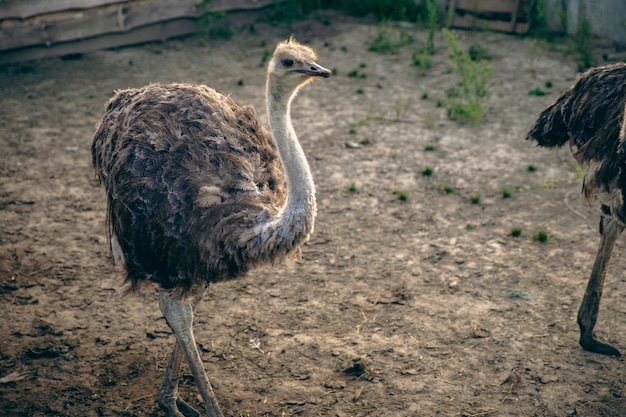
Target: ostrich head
x=293 y=65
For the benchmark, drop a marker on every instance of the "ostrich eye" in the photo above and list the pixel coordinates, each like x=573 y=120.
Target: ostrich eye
x=288 y=62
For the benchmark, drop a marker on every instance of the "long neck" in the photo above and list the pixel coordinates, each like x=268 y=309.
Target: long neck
x=295 y=221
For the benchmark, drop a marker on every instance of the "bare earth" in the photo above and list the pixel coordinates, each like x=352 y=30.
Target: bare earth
x=423 y=307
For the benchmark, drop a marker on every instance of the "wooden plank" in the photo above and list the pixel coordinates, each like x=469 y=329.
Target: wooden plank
x=159 y=31
x=486 y=6
x=514 y=15
x=68 y=26
x=472 y=22
x=24 y=9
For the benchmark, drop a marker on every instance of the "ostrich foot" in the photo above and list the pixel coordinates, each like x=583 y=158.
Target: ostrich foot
x=591 y=344
x=176 y=407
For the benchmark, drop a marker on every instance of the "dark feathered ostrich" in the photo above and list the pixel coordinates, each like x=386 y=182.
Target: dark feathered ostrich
x=199 y=191
x=590 y=116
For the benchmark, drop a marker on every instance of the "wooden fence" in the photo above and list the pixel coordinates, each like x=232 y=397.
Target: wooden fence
x=31 y=29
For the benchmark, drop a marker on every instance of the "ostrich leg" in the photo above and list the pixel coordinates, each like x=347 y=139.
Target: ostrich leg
x=179 y=315
x=588 y=312
x=168 y=397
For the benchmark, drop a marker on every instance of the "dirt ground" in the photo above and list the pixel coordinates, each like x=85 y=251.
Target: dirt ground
x=423 y=307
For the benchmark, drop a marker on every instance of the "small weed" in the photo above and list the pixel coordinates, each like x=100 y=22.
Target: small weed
x=475 y=199
x=240 y=82
x=577 y=170
x=213 y=24
x=352 y=189
x=429 y=148
x=427 y=172
x=470 y=226
x=583 y=42
x=474 y=75
x=359 y=91
x=537 y=92
x=388 y=42
x=440 y=103
x=353 y=74
x=402 y=196
x=334 y=71
x=344 y=49
x=531 y=168
x=478 y=53
x=548 y=84
x=541 y=236
x=352 y=130
x=539 y=19
x=448 y=189
x=365 y=142
x=266 y=55
x=424 y=96
x=506 y=193
x=546 y=184
x=516 y=232
x=422 y=61
x=432 y=10
x=362 y=65
x=401 y=107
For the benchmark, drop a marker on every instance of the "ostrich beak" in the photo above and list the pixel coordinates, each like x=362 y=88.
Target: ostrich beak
x=315 y=70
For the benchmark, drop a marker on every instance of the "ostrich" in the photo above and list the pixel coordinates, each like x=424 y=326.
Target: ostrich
x=590 y=116
x=199 y=191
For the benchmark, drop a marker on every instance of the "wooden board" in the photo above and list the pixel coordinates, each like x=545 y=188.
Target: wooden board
x=49 y=30
x=150 y=33
x=23 y=9
x=59 y=27
x=487 y=6
x=498 y=15
x=471 y=22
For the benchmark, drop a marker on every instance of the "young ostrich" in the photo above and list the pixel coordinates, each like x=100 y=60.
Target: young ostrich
x=590 y=116
x=199 y=191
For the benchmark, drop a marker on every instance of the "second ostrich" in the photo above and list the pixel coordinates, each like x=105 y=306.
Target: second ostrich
x=590 y=116
x=199 y=191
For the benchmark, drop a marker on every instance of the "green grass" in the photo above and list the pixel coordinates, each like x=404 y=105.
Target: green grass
x=506 y=193
x=531 y=168
x=433 y=18
x=352 y=188
x=429 y=148
x=213 y=24
x=427 y=172
x=537 y=92
x=465 y=104
x=448 y=189
x=475 y=199
x=577 y=170
x=389 y=40
x=541 y=236
x=516 y=232
x=401 y=195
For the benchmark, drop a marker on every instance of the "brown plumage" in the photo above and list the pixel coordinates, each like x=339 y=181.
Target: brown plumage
x=199 y=191
x=193 y=180
x=590 y=117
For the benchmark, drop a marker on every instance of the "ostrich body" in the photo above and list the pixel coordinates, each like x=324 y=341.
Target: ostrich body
x=199 y=191
x=590 y=116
